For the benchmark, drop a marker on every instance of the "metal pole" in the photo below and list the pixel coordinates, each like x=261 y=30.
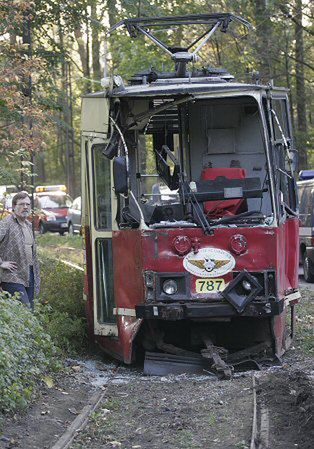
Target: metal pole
x=72 y=153
x=27 y=39
x=67 y=146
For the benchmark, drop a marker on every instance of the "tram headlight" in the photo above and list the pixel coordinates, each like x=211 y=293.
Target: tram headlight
x=246 y=285
x=170 y=287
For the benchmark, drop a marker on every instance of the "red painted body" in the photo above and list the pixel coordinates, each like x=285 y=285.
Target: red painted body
x=135 y=251
x=153 y=250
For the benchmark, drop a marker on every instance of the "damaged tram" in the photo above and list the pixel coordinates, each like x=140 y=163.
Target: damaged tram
x=189 y=213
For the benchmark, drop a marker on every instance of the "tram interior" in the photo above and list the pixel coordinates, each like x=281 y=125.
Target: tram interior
x=208 y=138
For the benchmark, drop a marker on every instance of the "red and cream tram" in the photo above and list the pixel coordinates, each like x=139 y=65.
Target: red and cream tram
x=189 y=211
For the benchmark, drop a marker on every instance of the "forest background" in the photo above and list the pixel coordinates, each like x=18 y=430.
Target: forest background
x=52 y=52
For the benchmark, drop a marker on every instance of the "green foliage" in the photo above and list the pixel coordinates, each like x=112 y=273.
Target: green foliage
x=26 y=353
x=6 y=176
x=305 y=323
x=50 y=239
x=61 y=307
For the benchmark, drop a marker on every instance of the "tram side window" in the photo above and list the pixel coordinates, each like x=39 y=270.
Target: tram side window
x=285 y=181
x=102 y=189
x=104 y=273
x=147 y=165
x=152 y=188
x=280 y=107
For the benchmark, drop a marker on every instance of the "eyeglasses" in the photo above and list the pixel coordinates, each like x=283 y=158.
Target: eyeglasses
x=24 y=204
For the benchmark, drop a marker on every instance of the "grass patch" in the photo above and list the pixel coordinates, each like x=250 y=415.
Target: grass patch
x=61 y=308
x=66 y=247
x=55 y=240
x=305 y=322
x=30 y=343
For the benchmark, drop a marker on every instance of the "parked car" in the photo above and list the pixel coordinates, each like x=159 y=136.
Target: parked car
x=7 y=190
x=4 y=211
x=74 y=216
x=306 y=230
x=7 y=193
x=51 y=210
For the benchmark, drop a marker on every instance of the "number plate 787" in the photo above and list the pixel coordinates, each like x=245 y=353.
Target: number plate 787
x=209 y=285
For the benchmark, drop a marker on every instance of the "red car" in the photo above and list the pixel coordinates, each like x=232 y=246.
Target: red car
x=50 y=210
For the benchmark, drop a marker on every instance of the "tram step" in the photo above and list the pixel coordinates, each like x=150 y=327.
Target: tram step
x=161 y=364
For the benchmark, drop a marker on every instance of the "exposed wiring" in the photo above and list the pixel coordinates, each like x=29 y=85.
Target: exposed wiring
x=126 y=152
x=142 y=221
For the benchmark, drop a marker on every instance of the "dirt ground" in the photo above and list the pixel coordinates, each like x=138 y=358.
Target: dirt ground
x=173 y=412
x=48 y=417
x=188 y=412
x=195 y=413
x=290 y=400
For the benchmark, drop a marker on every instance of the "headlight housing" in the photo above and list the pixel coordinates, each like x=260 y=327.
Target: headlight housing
x=170 y=287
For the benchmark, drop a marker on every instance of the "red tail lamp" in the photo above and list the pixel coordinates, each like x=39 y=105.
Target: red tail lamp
x=182 y=244
x=238 y=244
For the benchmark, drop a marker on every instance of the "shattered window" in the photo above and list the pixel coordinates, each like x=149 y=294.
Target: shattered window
x=153 y=189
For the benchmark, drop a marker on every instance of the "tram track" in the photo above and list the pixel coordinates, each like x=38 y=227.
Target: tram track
x=257 y=411
x=260 y=421
x=81 y=420
x=260 y=416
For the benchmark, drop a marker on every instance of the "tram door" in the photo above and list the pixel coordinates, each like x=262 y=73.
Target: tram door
x=101 y=213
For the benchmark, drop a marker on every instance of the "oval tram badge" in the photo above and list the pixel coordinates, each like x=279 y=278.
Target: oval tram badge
x=209 y=262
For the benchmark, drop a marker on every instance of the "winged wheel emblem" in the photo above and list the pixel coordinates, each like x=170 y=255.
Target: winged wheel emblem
x=208 y=264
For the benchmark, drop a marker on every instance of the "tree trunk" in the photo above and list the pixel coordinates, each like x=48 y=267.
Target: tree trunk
x=288 y=76
x=300 y=86
x=41 y=168
x=84 y=56
x=112 y=12
x=263 y=44
x=95 y=44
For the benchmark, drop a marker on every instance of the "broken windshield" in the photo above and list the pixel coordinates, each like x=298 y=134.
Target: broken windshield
x=199 y=161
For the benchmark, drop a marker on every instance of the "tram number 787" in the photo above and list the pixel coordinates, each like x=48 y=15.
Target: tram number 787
x=209 y=285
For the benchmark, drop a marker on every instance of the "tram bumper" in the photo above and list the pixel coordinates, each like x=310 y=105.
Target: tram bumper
x=247 y=295
x=201 y=311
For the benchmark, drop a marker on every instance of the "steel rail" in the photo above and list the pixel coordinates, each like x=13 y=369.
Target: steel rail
x=260 y=425
x=254 y=424
x=81 y=420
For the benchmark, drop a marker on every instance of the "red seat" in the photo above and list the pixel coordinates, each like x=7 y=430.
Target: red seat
x=217 y=209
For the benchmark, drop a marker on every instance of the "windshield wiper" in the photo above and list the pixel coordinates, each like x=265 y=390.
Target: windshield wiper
x=232 y=218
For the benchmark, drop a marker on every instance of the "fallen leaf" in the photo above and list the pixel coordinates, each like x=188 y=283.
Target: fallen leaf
x=48 y=381
x=76 y=368
x=115 y=443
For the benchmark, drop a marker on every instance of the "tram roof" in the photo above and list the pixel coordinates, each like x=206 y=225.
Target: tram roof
x=183 y=88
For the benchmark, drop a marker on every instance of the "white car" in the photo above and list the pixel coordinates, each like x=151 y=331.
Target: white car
x=74 y=216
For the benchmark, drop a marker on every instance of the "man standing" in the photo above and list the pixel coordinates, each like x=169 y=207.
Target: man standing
x=18 y=258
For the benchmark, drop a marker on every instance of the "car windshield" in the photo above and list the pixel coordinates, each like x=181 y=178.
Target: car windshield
x=54 y=201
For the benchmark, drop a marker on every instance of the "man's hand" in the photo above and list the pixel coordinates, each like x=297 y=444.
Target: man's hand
x=11 y=266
